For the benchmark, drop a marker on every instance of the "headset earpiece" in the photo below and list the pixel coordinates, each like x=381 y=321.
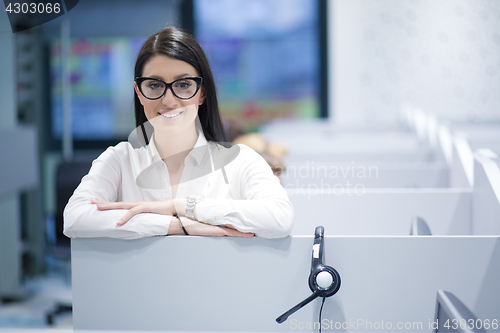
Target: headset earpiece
x=326 y=280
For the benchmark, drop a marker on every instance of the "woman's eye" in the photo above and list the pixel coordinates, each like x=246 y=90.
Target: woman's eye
x=183 y=85
x=155 y=85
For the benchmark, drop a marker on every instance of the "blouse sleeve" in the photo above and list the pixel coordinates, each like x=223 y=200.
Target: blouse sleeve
x=82 y=219
x=265 y=209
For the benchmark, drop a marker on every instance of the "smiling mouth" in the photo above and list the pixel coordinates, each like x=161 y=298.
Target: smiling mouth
x=171 y=115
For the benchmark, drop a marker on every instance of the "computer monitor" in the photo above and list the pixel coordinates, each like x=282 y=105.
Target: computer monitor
x=264 y=56
x=453 y=316
x=102 y=90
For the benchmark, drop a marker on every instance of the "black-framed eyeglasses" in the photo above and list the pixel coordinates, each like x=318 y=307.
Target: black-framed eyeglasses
x=184 y=88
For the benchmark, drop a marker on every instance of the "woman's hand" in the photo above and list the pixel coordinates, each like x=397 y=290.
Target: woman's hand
x=164 y=207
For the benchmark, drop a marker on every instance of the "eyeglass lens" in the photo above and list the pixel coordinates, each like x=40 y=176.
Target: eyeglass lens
x=185 y=88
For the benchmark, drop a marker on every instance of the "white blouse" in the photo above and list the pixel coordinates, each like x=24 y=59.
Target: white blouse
x=244 y=192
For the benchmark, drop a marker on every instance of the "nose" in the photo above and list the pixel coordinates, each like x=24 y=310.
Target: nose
x=169 y=100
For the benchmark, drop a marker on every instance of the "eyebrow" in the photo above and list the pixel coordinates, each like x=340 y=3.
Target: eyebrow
x=175 y=77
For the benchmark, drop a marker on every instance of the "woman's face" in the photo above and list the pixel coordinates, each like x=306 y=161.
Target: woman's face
x=169 y=113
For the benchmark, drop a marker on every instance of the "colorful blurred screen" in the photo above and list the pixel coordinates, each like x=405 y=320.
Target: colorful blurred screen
x=101 y=71
x=264 y=56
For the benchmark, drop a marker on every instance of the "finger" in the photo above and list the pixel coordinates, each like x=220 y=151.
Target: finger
x=131 y=213
x=124 y=219
x=101 y=205
x=246 y=234
x=96 y=202
x=235 y=233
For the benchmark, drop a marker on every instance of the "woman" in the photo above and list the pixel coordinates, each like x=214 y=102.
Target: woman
x=180 y=181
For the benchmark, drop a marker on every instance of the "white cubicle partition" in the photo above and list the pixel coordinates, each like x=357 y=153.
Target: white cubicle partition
x=372 y=175
x=462 y=168
x=321 y=142
x=487 y=140
x=279 y=127
x=348 y=141
x=493 y=146
x=486 y=199
x=382 y=211
x=445 y=144
x=466 y=140
x=477 y=130
x=367 y=156
x=357 y=146
x=182 y=283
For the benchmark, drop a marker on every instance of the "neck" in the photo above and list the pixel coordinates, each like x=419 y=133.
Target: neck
x=174 y=148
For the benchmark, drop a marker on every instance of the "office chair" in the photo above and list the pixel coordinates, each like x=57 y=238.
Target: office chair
x=68 y=177
x=419 y=227
x=451 y=315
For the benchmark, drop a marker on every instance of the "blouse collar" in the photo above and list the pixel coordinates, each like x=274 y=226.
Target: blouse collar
x=195 y=155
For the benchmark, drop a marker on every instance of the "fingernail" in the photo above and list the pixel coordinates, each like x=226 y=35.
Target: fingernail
x=98 y=204
x=119 y=222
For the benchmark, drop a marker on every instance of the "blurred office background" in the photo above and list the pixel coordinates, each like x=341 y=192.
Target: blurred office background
x=352 y=64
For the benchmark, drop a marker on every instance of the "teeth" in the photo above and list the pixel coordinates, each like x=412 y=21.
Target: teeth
x=171 y=115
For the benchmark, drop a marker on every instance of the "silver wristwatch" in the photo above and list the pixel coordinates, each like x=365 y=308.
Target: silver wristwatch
x=192 y=200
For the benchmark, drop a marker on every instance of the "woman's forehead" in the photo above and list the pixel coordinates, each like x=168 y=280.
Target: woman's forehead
x=167 y=68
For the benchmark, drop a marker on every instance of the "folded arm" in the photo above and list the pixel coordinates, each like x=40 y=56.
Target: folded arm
x=264 y=209
x=83 y=219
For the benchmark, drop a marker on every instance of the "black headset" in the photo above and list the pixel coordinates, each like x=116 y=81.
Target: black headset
x=324 y=281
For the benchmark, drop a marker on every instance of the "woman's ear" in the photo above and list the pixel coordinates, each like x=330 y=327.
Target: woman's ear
x=202 y=96
x=137 y=91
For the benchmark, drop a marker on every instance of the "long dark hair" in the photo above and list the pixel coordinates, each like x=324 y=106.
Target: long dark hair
x=178 y=44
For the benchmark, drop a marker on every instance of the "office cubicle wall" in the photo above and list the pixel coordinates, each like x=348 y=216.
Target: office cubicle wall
x=491 y=142
x=382 y=211
x=358 y=157
x=466 y=140
x=232 y=284
x=486 y=198
x=372 y=175
x=347 y=140
x=354 y=146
